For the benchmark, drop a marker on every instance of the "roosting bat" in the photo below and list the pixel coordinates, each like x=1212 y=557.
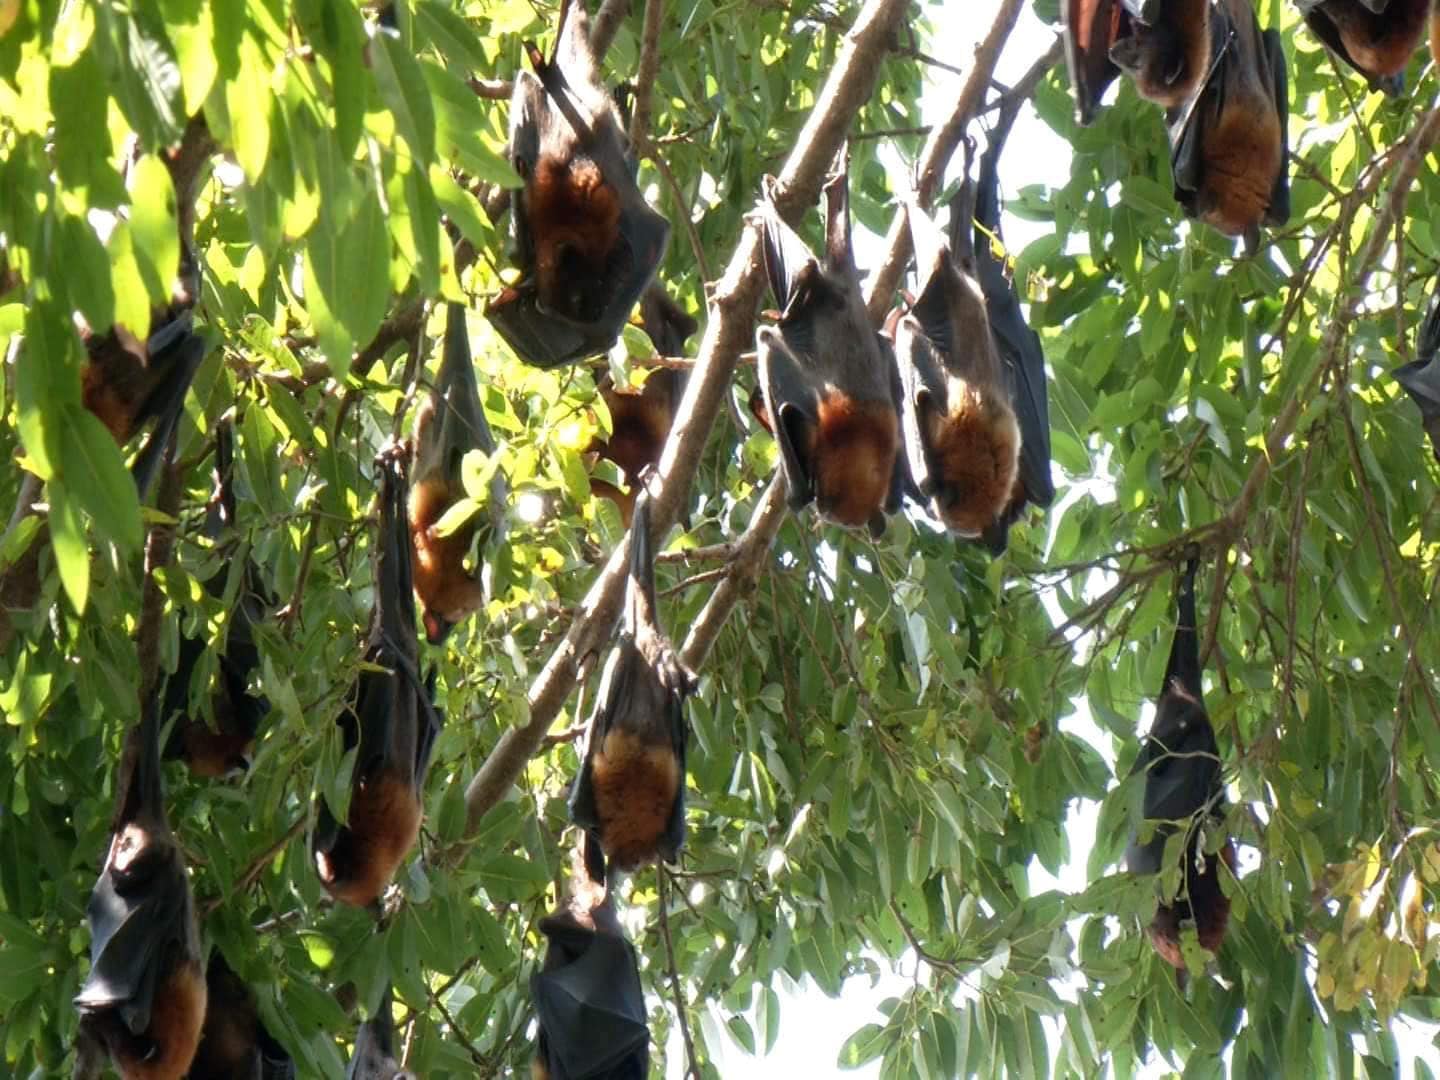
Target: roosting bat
x=375 y=1057
x=225 y=749
x=1421 y=377
x=640 y=420
x=391 y=722
x=127 y=383
x=1229 y=145
x=1022 y=359
x=234 y=1044
x=589 y=1001
x=1163 y=45
x=962 y=435
x=144 y=999
x=827 y=379
x=630 y=794
x=588 y=243
x=450 y=423
x=1181 y=765
x=1375 y=37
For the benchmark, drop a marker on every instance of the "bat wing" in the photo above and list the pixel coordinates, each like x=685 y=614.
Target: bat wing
x=1090 y=30
x=374 y=1056
x=666 y=322
x=1188 y=124
x=1421 y=377
x=181 y=353
x=528 y=111
x=591 y=1010
x=541 y=339
x=792 y=403
x=922 y=380
x=1183 y=668
x=462 y=425
x=1278 y=213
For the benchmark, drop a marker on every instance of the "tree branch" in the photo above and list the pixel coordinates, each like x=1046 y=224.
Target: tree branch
x=729 y=331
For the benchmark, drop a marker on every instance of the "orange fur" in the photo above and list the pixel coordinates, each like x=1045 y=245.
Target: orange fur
x=1188 y=20
x=441 y=582
x=977 y=451
x=1242 y=159
x=384 y=825
x=624 y=500
x=1380 y=45
x=640 y=423
x=212 y=754
x=1201 y=891
x=112 y=386
x=853 y=448
x=635 y=787
x=175 y=1024
x=571 y=206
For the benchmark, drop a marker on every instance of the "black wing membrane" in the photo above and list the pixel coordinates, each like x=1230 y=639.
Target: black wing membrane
x=1421 y=377
x=630 y=794
x=589 y=1001
x=588 y=244
x=391 y=722
x=1374 y=37
x=375 y=1052
x=144 y=998
x=235 y=1044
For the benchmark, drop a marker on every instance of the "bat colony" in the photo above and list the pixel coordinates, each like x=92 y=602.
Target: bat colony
x=947 y=407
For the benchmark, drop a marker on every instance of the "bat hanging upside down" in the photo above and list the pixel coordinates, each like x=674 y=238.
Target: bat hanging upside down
x=1375 y=37
x=390 y=721
x=375 y=1056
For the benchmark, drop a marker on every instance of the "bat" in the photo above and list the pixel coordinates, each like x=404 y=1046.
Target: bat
x=234 y=1044
x=1375 y=37
x=450 y=423
x=127 y=383
x=225 y=749
x=1162 y=45
x=827 y=379
x=588 y=244
x=640 y=420
x=589 y=1001
x=1229 y=146
x=961 y=434
x=629 y=797
x=144 y=999
x=1022 y=358
x=374 y=1057
x=1421 y=377
x=1181 y=765
x=390 y=720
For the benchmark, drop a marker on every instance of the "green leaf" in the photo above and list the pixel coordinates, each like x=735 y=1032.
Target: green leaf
x=863 y=1047
x=402 y=88
x=153 y=226
x=67 y=539
x=95 y=477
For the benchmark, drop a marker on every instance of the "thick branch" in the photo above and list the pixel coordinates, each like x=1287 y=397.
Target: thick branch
x=729 y=332
x=645 y=73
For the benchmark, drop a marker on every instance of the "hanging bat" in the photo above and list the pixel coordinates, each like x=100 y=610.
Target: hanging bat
x=375 y=1052
x=962 y=436
x=640 y=420
x=127 y=383
x=144 y=999
x=234 y=1044
x=630 y=794
x=224 y=749
x=450 y=423
x=1018 y=346
x=1181 y=764
x=588 y=243
x=390 y=721
x=1229 y=146
x=1163 y=45
x=1421 y=377
x=1375 y=37
x=827 y=379
x=589 y=1001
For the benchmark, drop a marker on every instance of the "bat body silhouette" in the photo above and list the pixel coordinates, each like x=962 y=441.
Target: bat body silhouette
x=588 y=243
x=1017 y=345
x=144 y=999
x=390 y=721
x=1229 y=145
x=827 y=379
x=234 y=1044
x=450 y=423
x=127 y=383
x=224 y=749
x=640 y=420
x=629 y=797
x=1181 y=765
x=375 y=1055
x=1421 y=377
x=1163 y=45
x=1375 y=37
x=589 y=1001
